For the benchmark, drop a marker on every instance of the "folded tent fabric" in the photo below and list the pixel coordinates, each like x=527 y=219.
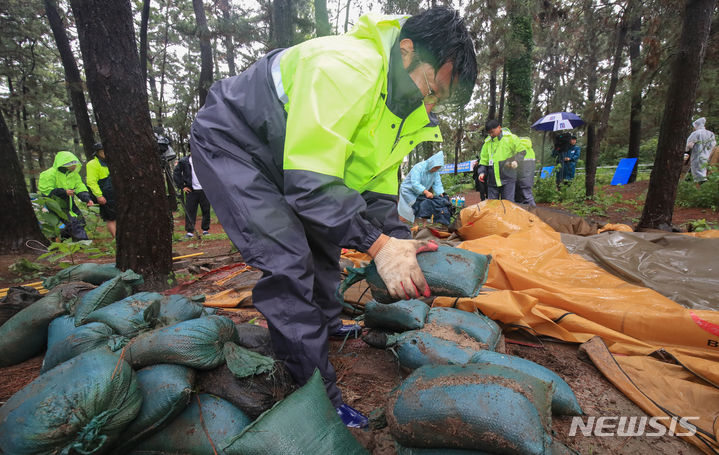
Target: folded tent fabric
x=558 y=294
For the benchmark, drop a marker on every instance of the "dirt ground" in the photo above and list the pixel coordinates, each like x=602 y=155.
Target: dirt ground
x=366 y=375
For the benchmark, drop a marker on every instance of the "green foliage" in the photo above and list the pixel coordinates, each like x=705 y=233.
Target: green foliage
x=457 y=183
x=60 y=250
x=27 y=270
x=702 y=225
x=706 y=196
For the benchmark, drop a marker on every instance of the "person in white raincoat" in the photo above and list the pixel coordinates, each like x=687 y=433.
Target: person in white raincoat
x=700 y=144
x=423 y=177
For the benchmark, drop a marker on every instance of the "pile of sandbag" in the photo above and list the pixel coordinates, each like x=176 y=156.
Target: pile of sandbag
x=147 y=373
x=462 y=395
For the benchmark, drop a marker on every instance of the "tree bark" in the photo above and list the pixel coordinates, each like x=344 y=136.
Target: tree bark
x=519 y=71
x=685 y=75
x=144 y=19
x=114 y=80
x=502 y=93
x=282 y=24
x=322 y=20
x=229 y=47
x=635 y=116
x=72 y=77
x=205 y=51
x=16 y=213
x=591 y=163
x=492 y=94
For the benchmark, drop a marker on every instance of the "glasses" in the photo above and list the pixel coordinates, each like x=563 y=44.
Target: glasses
x=431 y=97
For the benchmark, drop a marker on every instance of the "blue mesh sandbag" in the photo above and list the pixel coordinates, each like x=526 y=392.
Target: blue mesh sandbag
x=24 y=335
x=80 y=407
x=176 y=308
x=477 y=326
x=197 y=343
x=198 y=430
x=417 y=348
x=88 y=272
x=398 y=316
x=108 y=292
x=492 y=408
x=451 y=272
x=82 y=339
x=166 y=392
x=304 y=423
x=58 y=329
x=131 y=315
x=563 y=399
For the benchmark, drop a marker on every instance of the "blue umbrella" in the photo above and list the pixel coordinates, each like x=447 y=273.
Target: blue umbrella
x=558 y=121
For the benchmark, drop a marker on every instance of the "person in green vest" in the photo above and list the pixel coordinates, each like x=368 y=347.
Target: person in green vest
x=100 y=184
x=299 y=157
x=499 y=160
x=525 y=175
x=62 y=182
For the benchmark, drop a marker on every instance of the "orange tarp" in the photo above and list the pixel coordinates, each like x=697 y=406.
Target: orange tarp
x=542 y=287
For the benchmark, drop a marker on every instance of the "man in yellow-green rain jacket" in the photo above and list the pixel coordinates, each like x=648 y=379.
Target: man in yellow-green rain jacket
x=299 y=156
x=499 y=160
x=62 y=182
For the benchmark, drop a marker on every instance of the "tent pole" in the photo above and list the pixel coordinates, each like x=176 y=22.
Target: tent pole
x=544 y=136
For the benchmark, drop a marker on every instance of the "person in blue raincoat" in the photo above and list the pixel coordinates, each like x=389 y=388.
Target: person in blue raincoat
x=423 y=177
x=567 y=154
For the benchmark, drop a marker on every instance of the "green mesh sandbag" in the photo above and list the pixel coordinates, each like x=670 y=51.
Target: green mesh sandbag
x=197 y=343
x=24 y=335
x=475 y=325
x=131 y=315
x=492 y=408
x=244 y=363
x=397 y=317
x=88 y=272
x=449 y=271
x=563 y=399
x=80 y=407
x=198 y=430
x=417 y=348
x=176 y=308
x=58 y=329
x=304 y=423
x=108 y=292
x=557 y=448
x=166 y=392
x=82 y=339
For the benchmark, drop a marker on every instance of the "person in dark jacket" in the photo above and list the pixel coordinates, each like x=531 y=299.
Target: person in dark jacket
x=186 y=179
x=299 y=157
x=479 y=186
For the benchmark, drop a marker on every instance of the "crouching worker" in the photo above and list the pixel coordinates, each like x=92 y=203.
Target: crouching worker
x=98 y=180
x=299 y=157
x=420 y=194
x=62 y=182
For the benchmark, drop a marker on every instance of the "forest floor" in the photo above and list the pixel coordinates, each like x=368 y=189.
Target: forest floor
x=366 y=375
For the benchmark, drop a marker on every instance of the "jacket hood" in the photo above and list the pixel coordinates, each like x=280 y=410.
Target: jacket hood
x=64 y=159
x=699 y=123
x=435 y=160
x=375 y=27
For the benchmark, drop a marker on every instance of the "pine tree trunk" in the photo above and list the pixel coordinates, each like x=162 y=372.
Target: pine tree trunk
x=205 y=51
x=282 y=24
x=685 y=75
x=502 y=93
x=592 y=159
x=635 y=116
x=144 y=19
x=229 y=48
x=322 y=20
x=112 y=68
x=492 y=94
x=16 y=213
x=72 y=77
x=519 y=71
